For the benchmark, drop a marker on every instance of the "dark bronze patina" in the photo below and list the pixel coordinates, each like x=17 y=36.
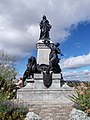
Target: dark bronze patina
x=45 y=28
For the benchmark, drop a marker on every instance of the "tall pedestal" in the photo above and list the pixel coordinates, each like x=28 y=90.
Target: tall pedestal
x=43 y=51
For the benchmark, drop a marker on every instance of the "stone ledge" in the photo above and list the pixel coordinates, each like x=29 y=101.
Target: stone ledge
x=30 y=80
x=41 y=45
x=54 y=76
x=45 y=90
x=41 y=41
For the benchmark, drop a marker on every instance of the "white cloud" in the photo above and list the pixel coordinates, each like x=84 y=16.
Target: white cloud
x=83 y=75
x=76 y=62
x=33 y=32
x=19 y=29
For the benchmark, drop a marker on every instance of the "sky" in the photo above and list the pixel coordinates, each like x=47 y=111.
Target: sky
x=70 y=20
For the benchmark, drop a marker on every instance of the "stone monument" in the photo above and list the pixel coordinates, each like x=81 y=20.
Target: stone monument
x=44 y=75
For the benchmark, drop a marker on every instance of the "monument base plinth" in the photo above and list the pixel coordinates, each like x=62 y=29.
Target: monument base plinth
x=35 y=91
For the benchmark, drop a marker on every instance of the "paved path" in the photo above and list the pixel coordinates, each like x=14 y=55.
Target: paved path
x=52 y=111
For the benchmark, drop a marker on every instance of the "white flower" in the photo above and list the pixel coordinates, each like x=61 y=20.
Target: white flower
x=8 y=97
x=2 y=88
x=14 y=90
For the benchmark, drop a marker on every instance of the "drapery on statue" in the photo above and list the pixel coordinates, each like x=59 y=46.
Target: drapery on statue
x=45 y=28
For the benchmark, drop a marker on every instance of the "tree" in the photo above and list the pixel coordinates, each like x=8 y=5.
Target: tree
x=6 y=59
x=7 y=66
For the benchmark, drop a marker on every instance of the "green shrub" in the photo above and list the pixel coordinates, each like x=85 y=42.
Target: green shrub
x=8 y=109
x=82 y=99
x=12 y=111
x=8 y=94
x=7 y=88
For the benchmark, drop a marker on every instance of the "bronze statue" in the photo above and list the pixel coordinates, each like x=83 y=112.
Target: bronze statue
x=31 y=68
x=45 y=28
x=53 y=59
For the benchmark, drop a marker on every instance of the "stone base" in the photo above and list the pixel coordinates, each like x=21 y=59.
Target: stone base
x=39 y=81
x=42 y=95
x=35 y=91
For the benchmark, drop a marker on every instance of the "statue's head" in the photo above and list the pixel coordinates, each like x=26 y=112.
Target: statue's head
x=44 y=17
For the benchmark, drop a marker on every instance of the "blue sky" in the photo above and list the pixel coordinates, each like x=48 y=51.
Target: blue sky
x=78 y=43
x=19 y=31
